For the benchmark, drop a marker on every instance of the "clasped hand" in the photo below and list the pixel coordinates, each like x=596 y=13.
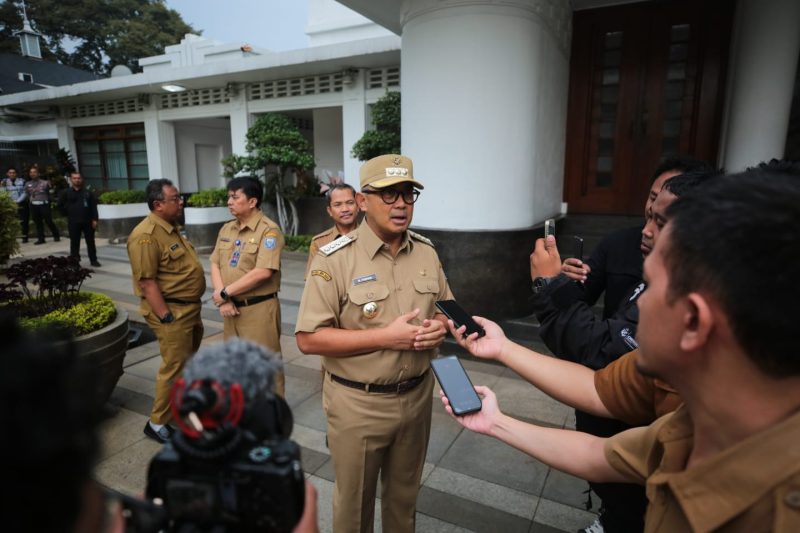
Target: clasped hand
x=405 y=336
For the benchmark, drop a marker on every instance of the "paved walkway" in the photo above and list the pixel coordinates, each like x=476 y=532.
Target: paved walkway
x=470 y=482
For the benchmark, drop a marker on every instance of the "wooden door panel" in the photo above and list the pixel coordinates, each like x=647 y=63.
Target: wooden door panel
x=645 y=81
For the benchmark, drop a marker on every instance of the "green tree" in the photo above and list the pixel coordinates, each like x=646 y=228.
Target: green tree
x=278 y=152
x=104 y=33
x=385 y=138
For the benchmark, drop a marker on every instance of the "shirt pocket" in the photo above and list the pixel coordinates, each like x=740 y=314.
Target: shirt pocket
x=371 y=293
x=251 y=248
x=426 y=292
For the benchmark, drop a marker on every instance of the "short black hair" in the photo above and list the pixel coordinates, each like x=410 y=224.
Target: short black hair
x=339 y=187
x=683 y=183
x=682 y=163
x=155 y=191
x=737 y=238
x=251 y=187
x=12 y=168
x=50 y=415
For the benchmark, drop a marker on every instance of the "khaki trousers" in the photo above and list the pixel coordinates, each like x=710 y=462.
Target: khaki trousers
x=177 y=341
x=372 y=434
x=259 y=323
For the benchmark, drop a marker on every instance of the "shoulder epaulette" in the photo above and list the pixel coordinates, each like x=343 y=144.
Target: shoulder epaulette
x=339 y=243
x=323 y=234
x=420 y=238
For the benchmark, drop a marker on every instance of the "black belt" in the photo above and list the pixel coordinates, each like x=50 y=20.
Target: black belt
x=181 y=302
x=399 y=388
x=244 y=302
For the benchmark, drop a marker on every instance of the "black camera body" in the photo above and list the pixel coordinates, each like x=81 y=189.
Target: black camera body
x=257 y=485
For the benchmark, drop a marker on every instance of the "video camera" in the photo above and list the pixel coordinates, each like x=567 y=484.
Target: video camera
x=232 y=466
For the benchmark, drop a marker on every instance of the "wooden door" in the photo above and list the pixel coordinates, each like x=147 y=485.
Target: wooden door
x=645 y=81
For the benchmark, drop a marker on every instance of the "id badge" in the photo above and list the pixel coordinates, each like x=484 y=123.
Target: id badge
x=235 y=259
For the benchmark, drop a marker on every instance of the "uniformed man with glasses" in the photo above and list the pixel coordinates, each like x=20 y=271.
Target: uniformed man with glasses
x=368 y=309
x=169 y=278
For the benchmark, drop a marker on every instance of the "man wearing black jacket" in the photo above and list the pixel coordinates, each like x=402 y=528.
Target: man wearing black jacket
x=79 y=205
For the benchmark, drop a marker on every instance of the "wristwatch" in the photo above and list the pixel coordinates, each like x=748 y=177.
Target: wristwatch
x=166 y=319
x=540 y=283
x=224 y=293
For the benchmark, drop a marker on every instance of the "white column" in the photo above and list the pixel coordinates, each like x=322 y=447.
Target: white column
x=354 y=124
x=162 y=159
x=240 y=122
x=766 y=44
x=65 y=137
x=484 y=110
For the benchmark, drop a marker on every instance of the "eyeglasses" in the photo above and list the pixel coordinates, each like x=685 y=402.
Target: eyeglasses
x=390 y=196
x=173 y=199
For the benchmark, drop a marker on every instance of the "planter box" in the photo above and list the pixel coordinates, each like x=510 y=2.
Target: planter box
x=117 y=221
x=105 y=349
x=202 y=224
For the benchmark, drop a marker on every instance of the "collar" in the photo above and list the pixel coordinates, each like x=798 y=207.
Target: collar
x=251 y=222
x=372 y=243
x=730 y=482
x=158 y=221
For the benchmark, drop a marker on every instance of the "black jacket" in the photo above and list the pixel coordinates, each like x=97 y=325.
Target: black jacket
x=78 y=206
x=572 y=331
x=616 y=265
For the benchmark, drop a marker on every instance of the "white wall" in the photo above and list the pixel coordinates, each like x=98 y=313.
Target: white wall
x=328 y=141
x=29 y=130
x=205 y=134
x=330 y=22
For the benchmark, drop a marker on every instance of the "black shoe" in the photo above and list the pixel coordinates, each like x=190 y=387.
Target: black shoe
x=57 y=239
x=39 y=242
x=96 y=264
x=162 y=435
x=24 y=240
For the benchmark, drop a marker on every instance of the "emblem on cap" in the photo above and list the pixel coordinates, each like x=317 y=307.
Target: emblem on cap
x=396 y=160
x=396 y=171
x=370 y=310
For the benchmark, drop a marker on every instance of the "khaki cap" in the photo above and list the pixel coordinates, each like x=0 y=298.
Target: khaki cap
x=387 y=170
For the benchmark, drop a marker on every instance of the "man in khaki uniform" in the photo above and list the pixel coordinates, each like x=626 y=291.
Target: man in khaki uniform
x=368 y=309
x=343 y=210
x=718 y=323
x=168 y=276
x=246 y=271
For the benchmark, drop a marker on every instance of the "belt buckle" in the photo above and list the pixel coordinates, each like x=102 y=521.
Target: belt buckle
x=366 y=387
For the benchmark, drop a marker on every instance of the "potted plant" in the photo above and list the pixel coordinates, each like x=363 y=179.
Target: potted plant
x=119 y=212
x=282 y=157
x=204 y=215
x=45 y=292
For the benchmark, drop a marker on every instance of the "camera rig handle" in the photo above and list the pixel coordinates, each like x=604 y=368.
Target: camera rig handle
x=206 y=398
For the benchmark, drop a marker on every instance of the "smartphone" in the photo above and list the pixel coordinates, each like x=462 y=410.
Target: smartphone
x=578 y=247
x=549 y=227
x=456 y=385
x=456 y=313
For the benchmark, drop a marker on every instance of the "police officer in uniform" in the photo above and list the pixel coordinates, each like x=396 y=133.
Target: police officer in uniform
x=39 y=194
x=169 y=278
x=368 y=309
x=246 y=271
x=343 y=210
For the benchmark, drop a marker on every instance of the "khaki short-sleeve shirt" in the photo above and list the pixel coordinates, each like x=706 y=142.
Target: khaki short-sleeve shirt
x=752 y=486
x=318 y=241
x=361 y=286
x=241 y=247
x=158 y=251
x=632 y=397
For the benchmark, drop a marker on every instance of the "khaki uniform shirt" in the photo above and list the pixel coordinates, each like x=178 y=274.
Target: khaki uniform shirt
x=341 y=283
x=632 y=397
x=752 y=486
x=242 y=247
x=157 y=251
x=318 y=241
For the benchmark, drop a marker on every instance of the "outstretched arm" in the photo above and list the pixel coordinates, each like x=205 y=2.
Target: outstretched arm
x=575 y=453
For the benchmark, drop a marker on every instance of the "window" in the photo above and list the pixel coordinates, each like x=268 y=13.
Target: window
x=26 y=77
x=113 y=157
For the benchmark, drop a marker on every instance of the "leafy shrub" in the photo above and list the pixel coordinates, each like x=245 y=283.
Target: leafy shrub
x=122 y=197
x=91 y=311
x=209 y=198
x=385 y=138
x=9 y=227
x=298 y=243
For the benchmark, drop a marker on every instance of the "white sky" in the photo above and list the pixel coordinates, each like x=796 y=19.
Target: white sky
x=274 y=24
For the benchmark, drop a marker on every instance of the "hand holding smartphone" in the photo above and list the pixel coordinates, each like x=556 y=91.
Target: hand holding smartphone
x=549 y=227
x=456 y=313
x=456 y=385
